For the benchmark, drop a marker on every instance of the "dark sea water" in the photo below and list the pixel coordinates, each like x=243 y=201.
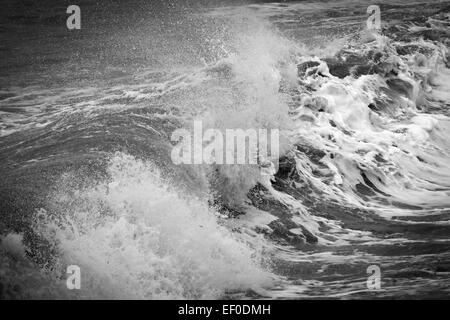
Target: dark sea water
x=86 y=176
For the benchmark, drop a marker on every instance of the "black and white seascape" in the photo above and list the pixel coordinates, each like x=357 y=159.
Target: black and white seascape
x=224 y=149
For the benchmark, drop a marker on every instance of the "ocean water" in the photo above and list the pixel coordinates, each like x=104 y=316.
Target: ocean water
x=87 y=179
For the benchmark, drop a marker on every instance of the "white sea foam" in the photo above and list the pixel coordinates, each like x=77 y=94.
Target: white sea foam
x=135 y=236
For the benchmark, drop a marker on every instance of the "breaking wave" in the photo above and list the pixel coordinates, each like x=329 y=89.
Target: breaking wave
x=364 y=169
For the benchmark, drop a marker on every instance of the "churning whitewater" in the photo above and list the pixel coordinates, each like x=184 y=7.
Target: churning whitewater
x=362 y=177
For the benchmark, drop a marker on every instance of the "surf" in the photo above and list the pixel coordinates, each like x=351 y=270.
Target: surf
x=363 y=173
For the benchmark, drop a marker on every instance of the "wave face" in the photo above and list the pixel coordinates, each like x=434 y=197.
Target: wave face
x=363 y=176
